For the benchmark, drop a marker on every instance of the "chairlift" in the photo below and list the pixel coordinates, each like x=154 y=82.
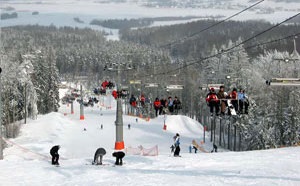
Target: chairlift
x=133 y=82
x=129 y=66
x=209 y=86
x=124 y=87
x=283 y=82
x=110 y=66
x=215 y=86
x=151 y=85
x=175 y=87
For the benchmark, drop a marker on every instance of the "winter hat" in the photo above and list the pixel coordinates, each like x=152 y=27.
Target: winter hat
x=212 y=89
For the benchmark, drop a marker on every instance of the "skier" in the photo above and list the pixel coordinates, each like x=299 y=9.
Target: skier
x=170 y=105
x=212 y=101
x=222 y=96
x=157 y=106
x=119 y=157
x=54 y=154
x=176 y=144
x=100 y=152
x=177 y=105
x=243 y=101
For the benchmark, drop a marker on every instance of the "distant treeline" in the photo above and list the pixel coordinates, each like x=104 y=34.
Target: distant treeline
x=8 y=16
x=201 y=44
x=122 y=23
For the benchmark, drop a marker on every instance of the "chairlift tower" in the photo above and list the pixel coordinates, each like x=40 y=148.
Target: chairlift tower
x=119 y=144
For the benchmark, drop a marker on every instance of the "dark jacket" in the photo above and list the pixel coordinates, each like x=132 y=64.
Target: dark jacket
x=100 y=151
x=118 y=154
x=54 y=149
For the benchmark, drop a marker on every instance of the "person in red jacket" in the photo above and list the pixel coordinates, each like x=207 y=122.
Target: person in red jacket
x=104 y=84
x=142 y=100
x=234 y=98
x=213 y=101
x=115 y=94
x=157 y=106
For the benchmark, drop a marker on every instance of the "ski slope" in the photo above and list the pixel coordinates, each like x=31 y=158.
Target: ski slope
x=27 y=160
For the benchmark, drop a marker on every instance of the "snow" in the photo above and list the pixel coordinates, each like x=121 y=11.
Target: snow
x=27 y=160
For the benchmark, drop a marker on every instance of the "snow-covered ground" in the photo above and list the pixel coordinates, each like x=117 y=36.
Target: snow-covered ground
x=27 y=160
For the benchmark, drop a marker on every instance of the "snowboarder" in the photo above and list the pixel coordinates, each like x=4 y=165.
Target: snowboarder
x=222 y=96
x=176 y=144
x=100 y=152
x=129 y=126
x=215 y=148
x=119 y=157
x=157 y=106
x=192 y=146
x=54 y=154
x=213 y=101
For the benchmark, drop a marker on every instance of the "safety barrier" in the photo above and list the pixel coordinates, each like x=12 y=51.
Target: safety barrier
x=140 y=150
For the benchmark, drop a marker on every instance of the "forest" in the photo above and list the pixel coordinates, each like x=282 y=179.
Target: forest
x=36 y=58
x=200 y=44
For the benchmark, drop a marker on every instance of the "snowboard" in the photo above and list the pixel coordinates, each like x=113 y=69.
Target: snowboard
x=198 y=146
x=231 y=108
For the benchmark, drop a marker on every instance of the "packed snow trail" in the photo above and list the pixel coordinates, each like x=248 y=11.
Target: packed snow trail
x=20 y=167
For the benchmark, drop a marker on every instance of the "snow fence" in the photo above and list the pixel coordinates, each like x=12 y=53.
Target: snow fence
x=140 y=150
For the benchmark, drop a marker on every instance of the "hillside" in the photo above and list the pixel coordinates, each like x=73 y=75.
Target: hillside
x=27 y=161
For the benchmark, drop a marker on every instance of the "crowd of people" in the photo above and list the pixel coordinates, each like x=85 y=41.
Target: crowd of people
x=161 y=106
x=165 y=106
x=219 y=102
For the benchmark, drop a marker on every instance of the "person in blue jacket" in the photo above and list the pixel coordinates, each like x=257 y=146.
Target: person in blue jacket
x=177 y=145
